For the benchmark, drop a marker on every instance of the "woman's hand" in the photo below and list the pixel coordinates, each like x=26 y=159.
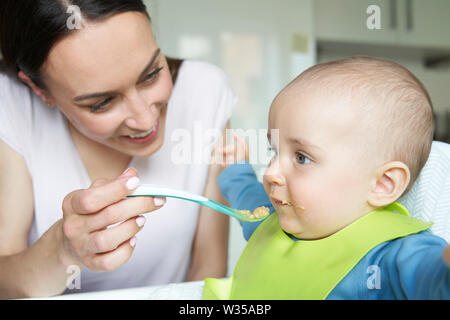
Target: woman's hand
x=87 y=214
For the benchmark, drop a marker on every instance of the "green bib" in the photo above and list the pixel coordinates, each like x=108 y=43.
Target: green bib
x=273 y=266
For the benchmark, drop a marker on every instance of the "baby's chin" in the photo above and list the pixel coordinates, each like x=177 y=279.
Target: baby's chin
x=296 y=231
x=308 y=236
x=303 y=233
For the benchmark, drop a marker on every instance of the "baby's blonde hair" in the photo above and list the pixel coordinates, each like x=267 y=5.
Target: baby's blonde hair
x=394 y=104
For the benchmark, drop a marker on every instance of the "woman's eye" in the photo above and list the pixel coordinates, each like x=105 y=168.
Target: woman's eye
x=301 y=158
x=152 y=75
x=101 y=105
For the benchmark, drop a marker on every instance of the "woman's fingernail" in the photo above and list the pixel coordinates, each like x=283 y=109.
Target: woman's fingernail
x=128 y=172
x=140 y=221
x=133 y=183
x=133 y=241
x=159 y=201
x=125 y=172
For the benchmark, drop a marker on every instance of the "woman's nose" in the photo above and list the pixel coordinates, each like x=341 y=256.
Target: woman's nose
x=139 y=111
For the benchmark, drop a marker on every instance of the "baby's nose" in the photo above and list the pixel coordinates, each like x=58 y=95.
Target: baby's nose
x=273 y=176
x=274 y=179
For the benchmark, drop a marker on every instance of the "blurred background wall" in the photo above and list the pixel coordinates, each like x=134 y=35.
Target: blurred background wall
x=263 y=44
x=260 y=44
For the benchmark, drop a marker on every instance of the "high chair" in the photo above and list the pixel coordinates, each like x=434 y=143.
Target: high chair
x=429 y=197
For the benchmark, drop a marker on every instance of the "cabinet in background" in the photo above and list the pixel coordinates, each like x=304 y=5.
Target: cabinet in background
x=346 y=20
x=426 y=23
x=416 y=23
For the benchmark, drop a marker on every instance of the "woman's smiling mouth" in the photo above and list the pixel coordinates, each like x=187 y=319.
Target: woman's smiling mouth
x=144 y=137
x=143 y=134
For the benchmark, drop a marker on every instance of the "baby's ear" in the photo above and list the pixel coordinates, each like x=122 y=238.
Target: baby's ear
x=390 y=181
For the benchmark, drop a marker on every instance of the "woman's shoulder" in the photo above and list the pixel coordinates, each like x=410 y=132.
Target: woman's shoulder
x=7 y=78
x=202 y=67
x=16 y=99
x=201 y=74
x=202 y=91
x=11 y=86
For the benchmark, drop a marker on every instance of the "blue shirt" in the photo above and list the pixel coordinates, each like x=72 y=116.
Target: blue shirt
x=406 y=268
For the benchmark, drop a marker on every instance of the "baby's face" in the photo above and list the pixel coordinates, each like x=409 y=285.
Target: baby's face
x=318 y=179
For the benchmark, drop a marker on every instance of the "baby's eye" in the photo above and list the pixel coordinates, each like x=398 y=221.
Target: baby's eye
x=301 y=158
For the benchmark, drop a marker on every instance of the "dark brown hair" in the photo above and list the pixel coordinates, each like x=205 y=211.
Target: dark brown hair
x=30 y=28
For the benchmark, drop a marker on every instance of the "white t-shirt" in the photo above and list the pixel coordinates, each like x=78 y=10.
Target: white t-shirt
x=201 y=101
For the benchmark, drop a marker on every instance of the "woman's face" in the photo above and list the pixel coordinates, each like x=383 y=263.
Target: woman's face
x=112 y=83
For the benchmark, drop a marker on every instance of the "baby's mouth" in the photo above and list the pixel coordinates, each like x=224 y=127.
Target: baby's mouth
x=285 y=203
x=280 y=203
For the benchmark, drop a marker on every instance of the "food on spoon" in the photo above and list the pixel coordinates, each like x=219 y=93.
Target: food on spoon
x=259 y=212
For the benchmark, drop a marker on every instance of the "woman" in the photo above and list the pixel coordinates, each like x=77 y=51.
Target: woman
x=99 y=98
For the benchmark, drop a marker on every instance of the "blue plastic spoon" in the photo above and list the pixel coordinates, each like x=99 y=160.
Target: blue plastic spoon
x=150 y=190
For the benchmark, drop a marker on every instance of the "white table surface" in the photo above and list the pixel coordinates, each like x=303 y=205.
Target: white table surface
x=174 y=291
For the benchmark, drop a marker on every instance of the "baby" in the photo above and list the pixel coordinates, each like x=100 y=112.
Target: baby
x=352 y=137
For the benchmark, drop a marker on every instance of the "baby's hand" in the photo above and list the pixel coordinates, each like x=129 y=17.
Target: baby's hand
x=233 y=153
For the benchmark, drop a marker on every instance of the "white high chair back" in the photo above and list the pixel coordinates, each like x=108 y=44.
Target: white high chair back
x=429 y=197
